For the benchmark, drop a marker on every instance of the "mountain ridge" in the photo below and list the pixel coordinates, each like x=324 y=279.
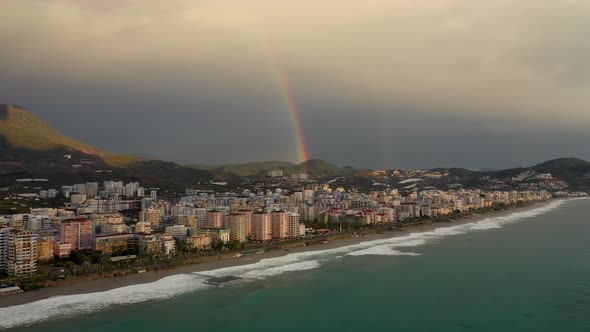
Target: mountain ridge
x=31 y=148
x=316 y=168
x=22 y=129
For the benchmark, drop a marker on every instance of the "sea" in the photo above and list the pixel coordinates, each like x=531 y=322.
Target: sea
x=524 y=271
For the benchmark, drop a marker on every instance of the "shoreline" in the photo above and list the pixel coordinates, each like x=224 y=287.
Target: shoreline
x=82 y=286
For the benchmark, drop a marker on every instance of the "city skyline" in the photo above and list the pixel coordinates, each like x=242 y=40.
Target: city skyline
x=380 y=84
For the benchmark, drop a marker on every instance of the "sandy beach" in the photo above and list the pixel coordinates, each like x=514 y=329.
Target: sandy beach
x=100 y=285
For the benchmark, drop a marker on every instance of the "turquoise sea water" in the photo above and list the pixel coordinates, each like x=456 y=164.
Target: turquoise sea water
x=529 y=271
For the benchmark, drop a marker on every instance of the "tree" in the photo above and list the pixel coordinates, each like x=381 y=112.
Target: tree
x=232 y=245
x=217 y=245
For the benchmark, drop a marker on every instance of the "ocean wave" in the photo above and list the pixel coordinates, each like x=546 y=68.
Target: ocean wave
x=171 y=286
x=485 y=225
x=277 y=270
x=70 y=305
x=383 y=250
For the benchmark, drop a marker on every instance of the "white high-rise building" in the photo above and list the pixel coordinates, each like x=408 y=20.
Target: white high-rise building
x=91 y=189
x=52 y=193
x=22 y=253
x=295 y=229
x=114 y=188
x=177 y=231
x=4 y=249
x=80 y=188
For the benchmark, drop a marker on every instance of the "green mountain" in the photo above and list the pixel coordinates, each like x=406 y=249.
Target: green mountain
x=30 y=148
x=568 y=164
x=23 y=130
x=574 y=171
x=566 y=174
x=320 y=169
x=246 y=169
x=316 y=168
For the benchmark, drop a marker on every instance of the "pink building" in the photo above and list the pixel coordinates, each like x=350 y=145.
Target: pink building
x=279 y=221
x=261 y=229
x=248 y=214
x=236 y=223
x=213 y=219
x=77 y=232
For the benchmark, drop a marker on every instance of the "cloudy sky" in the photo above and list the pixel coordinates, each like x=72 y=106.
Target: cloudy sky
x=379 y=83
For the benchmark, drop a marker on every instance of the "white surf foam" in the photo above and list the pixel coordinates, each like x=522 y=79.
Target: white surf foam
x=485 y=225
x=448 y=231
x=274 y=271
x=70 y=305
x=171 y=286
x=383 y=250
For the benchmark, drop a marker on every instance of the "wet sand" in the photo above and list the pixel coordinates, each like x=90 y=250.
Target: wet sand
x=99 y=285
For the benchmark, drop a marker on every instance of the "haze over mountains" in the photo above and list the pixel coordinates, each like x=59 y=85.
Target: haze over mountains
x=31 y=148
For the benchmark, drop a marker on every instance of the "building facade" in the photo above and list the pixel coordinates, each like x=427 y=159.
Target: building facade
x=154 y=217
x=22 y=253
x=261 y=227
x=213 y=219
x=236 y=223
x=279 y=224
x=45 y=249
x=119 y=244
x=4 y=233
x=77 y=232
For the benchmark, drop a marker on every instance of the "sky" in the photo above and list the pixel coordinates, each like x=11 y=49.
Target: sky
x=381 y=84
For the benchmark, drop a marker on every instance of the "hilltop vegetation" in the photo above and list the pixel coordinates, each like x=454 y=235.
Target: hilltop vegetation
x=246 y=169
x=23 y=130
x=31 y=148
x=316 y=168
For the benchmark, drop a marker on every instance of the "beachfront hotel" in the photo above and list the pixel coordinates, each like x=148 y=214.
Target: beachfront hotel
x=236 y=224
x=248 y=217
x=199 y=241
x=215 y=235
x=279 y=224
x=116 y=244
x=261 y=227
x=18 y=252
x=4 y=249
x=21 y=257
x=213 y=219
x=77 y=232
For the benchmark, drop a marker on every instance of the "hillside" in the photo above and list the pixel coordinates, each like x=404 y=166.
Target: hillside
x=572 y=164
x=22 y=129
x=320 y=169
x=31 y=148
x=246 y=169
x=316 y=168
x=560 y=174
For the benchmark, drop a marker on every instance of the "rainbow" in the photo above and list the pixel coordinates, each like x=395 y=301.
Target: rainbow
x=287 y=93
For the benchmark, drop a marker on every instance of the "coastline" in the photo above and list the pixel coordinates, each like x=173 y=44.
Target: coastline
x=82 y=286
